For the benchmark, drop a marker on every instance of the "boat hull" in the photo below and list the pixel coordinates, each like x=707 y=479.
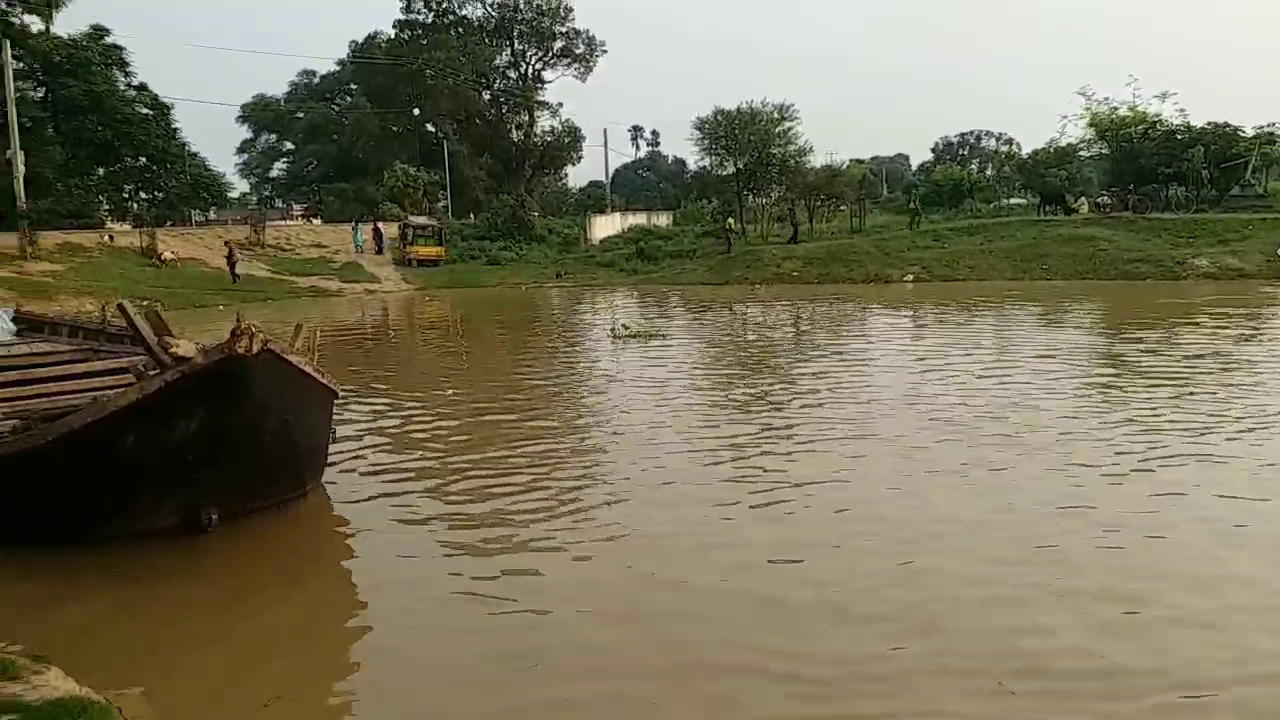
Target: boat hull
x=239 y=433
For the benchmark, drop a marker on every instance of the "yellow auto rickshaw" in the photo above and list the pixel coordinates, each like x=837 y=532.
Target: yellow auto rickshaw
x=421 y=242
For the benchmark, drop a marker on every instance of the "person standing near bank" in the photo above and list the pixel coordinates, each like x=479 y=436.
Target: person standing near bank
x=357 y=239
x=379 y=239
x=233 y=259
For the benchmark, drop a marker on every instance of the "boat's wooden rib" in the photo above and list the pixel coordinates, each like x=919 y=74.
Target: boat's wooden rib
x=91 y=367
x=23 y=409
x=64 y=387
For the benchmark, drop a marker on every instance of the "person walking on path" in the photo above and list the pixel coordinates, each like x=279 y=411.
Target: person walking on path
x=379 y=240
x=357 y=239
x=233 y=259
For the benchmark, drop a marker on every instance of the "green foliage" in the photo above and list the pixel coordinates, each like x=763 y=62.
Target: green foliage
x=409 y=188
x=478 y=71
x=66 y=708
x=11 y=668
x=1091 y=248
x=655 y=181
x=99 y=143
x=758 y=144
x=950 y=187
x=347 y=272
x=115 y=272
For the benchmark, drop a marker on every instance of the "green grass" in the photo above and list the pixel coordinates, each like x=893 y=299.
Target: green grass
x=112 y=273
x=347 y=272
x=69 y=708
x=11 y=668
x=1211 y=247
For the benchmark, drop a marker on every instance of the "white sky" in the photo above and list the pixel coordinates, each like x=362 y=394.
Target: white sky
x=868 y=77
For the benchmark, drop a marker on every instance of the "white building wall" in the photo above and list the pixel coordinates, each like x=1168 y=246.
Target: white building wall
x=606 y=225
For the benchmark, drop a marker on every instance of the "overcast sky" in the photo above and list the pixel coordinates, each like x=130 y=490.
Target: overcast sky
x=868 y=77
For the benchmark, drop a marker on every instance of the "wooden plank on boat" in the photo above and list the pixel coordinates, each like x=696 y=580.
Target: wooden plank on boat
x=72 y=330
x=296 y=340
x=158 y=323
x=69 y=386
x=81 y=368
x=142 y=330
x=23 y=408
x=61 y=357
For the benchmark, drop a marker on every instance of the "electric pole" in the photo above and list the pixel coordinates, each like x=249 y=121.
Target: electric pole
x=608 y=179
x=15 y=149
x=448 y=181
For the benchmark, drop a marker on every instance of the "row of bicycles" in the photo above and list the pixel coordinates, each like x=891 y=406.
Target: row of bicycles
x=1175 y=199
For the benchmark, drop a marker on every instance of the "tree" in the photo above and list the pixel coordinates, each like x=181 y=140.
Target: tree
x=636 y=135
x=819 y=189
x=99 y=143
x=977 y=150
x=759 y=144
x=47 y=11
x=479 y=71
x=1057 y=170
x=950 y=187
x=655 y=181
x=654 y=141
x=1137 y=139
x=410 y=188
x=857 y=183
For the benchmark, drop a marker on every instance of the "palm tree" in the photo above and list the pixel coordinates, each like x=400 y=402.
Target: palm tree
x=636 y=134
x=47 y=11
x=654 y=141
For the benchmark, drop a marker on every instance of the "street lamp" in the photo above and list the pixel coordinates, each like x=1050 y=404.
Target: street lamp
x=448 y=181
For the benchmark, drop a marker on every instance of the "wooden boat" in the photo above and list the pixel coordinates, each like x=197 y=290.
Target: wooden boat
x=110 y=431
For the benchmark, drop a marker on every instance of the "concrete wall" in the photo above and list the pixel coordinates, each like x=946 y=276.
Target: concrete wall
x=606 y=225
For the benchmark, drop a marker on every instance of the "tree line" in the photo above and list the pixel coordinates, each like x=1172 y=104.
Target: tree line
x=99 y=143
x=368 y=138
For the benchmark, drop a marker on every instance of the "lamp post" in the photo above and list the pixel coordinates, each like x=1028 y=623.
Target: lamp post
x=448 y=181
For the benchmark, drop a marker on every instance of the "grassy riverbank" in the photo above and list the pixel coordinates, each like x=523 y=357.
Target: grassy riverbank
x=33 y=690
x=75 y=271
x=1221 y=247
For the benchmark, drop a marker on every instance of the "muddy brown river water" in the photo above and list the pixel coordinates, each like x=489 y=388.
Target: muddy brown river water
x=977 y=502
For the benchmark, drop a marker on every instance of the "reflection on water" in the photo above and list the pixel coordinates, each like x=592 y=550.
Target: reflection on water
x=998 y=501
x=251 y=622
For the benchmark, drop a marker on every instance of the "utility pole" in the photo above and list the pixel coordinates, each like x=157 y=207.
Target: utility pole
x=448 y=181
x=608 y=179
x=15 y=149
x=831 y=157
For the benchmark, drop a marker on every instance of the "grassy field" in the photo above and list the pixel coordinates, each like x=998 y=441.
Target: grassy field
x=1217 y=247
x=23 y=700
x=108 y=274
x=347 y=272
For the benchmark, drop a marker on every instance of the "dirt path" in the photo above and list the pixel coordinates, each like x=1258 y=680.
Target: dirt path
x=207 y=245
x=381 y=265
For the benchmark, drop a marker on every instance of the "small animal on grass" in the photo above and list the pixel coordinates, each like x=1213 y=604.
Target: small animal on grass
x=561 y=273
x=167 y=258
x=107 y=239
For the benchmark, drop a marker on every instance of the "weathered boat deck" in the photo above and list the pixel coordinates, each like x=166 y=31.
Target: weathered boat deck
x=44 y=379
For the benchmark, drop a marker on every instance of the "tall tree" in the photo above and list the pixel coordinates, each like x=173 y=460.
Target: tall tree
x=758 y=144
x=636 y=136
x=477 y=70
x=99 y=143
x=654 y=141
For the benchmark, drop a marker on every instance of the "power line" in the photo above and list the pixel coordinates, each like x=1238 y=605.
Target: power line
x=449 y=75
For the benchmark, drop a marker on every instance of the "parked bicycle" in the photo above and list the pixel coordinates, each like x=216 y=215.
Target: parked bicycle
x=1121 y=200
x=1181 y=201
